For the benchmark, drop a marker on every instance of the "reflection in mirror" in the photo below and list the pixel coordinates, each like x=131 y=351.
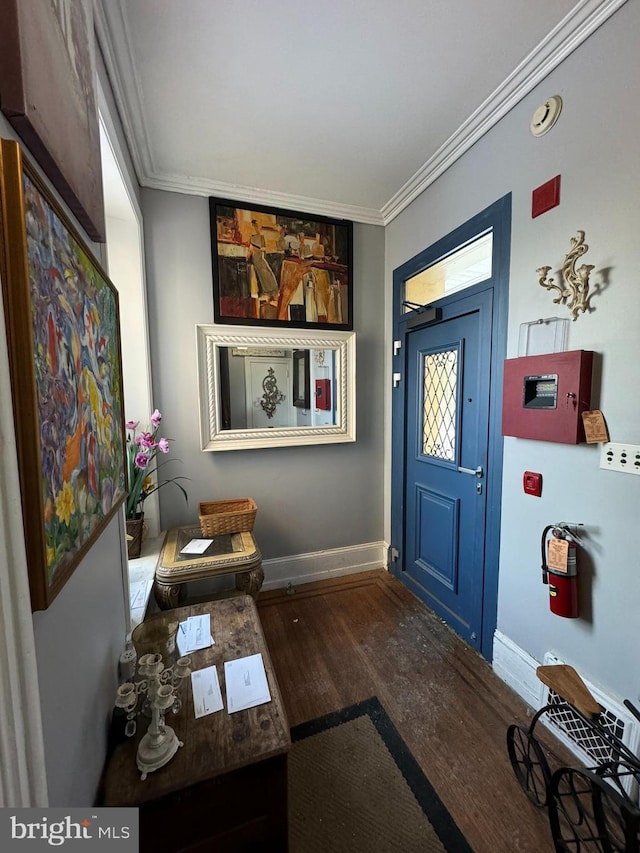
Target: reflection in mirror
x=264 y=389
x=274 y=387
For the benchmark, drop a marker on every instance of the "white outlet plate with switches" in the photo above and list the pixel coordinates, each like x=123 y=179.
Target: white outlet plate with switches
x=620 y=457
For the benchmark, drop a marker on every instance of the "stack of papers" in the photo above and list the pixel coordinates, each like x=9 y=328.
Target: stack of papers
x=207 y=697
x=194 y=634
x=139 y=593
x=196 y=546
x=246 y=683
x=246 y=686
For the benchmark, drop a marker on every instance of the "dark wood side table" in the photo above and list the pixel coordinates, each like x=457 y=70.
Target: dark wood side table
x=226 y=788
x=229 y=553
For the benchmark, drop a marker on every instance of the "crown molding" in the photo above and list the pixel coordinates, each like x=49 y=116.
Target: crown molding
x=289 y=201
x=569 y=34
x=111 y=30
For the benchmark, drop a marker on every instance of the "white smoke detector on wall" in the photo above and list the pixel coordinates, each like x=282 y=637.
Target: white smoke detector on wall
x=546 y=115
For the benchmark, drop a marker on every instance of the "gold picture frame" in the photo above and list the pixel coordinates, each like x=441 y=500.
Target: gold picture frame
x=63 y=336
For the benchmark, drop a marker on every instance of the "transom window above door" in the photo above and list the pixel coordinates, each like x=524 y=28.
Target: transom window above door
x=464 y=267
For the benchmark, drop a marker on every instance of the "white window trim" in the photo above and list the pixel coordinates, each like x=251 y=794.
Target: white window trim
x=23 y=781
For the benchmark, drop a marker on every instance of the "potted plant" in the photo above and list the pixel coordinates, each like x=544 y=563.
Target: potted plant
x=142 y=449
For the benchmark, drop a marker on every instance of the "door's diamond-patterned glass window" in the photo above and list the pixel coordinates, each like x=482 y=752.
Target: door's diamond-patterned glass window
x=439 y=417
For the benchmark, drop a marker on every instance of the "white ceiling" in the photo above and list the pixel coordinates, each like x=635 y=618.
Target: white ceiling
x=344 y=107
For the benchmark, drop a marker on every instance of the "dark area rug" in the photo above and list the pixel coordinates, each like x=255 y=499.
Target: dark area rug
x=354 y=787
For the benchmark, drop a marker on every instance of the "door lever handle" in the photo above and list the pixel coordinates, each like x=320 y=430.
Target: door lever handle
x=477 y=472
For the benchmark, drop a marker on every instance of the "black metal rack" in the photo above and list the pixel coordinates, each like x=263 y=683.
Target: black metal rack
x=590 y=809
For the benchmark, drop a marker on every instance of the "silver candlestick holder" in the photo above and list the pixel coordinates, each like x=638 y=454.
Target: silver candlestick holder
x=161 y=686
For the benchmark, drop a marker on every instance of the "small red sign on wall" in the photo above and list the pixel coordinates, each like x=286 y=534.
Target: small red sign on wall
x=546 y=196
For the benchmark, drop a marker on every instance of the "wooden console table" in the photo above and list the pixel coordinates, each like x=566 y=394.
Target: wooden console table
x=226 y=788
x=229 y=553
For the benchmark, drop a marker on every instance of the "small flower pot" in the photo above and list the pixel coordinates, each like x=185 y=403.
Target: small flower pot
x=134 y=529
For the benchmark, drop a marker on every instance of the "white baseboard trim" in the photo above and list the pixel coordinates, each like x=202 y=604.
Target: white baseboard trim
x=322 y=565
x=516 y=668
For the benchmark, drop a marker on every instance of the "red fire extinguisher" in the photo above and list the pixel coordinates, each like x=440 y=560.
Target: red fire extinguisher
x=560 y=568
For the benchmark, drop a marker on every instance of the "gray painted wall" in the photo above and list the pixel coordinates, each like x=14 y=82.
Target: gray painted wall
x=309 y=498
x=78 y=641
x=594 y=148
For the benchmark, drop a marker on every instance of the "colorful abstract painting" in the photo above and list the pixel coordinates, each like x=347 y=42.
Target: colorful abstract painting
x=67 y=384
x=275 y=267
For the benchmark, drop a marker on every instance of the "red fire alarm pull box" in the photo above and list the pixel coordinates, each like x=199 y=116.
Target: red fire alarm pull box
x=323 y=394
x=544 y=396
x=532 y=483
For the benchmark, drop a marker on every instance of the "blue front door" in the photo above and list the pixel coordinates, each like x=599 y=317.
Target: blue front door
x=446 y=449
x=446 y=477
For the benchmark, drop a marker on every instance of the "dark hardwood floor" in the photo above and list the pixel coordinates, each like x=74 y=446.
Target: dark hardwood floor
x=337 y=642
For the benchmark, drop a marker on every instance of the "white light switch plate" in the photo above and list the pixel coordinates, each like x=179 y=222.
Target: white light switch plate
x=620 y=457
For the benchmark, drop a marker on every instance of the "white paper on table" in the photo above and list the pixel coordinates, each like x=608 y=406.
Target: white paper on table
x=196 y=546
x=207 y=697
x=246 y=683
x=138 y=593
x=195 y=634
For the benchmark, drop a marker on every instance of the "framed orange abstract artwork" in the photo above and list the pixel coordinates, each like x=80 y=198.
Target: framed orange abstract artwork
x=275 y=267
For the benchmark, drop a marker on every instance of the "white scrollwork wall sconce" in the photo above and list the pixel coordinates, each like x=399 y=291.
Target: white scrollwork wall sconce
x=575 y=292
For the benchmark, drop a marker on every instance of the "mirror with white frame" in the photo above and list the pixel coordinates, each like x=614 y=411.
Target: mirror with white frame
x=262 y=387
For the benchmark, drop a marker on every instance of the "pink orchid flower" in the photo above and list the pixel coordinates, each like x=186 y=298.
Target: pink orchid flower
x=142 y=451
x=145 y=439
x=141 y=460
